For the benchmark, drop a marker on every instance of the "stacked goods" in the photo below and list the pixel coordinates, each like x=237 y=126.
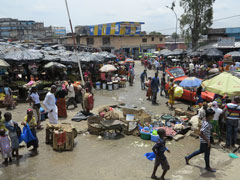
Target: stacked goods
x=61 y=136
x=169 y=131
x=140 y=116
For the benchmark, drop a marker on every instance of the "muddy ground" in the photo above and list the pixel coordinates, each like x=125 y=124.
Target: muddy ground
x=115 y=159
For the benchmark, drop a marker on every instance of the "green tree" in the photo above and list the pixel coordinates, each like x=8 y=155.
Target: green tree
x=196 y=19
x=155 y=33
x=175 y=35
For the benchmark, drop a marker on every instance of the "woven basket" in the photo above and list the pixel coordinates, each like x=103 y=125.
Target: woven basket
x=93 y=129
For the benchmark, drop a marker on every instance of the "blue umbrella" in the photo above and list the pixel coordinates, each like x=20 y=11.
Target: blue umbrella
x=191 y=82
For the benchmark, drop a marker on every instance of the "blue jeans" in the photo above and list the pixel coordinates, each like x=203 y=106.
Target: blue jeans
x=142 y=84
x=203 y=149
x=200 y=100
x=232 y=128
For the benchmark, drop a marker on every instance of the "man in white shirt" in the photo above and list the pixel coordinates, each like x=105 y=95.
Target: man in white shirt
x=50 y=105
x=215 y=121
x=71 y=95
x=156 y=63
x=191 y=68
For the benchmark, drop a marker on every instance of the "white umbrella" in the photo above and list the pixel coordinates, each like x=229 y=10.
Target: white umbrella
x=54 y=65
x=3 y=63
x=108 y=68
x=214 y=70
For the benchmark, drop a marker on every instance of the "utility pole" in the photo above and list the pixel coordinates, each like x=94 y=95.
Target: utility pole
x=74 y=43
x=176 y=24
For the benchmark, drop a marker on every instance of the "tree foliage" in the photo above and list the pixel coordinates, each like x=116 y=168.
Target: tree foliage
x=155 y=33
x=196 y=19
x=175 y=35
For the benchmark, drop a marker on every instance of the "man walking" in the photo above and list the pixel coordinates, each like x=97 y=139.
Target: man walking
x=143 y=76
x=205 y=145
x=163 y=83
x=232 y=116
x=154 y=86
x=71 y=95
x=50 y=105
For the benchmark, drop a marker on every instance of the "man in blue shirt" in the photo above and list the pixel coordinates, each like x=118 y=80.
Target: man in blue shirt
x=155 y=87
x=159 y=148
x=143 y=76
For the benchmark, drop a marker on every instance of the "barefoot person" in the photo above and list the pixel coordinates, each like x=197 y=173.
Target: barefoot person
x=205 y=145
x=35 y=102
x=50 y=105
x=5 y=147
x=10 y=125
x=159 y=148
x=30 y=120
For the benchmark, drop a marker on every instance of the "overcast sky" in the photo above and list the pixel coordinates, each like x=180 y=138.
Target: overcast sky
x=89 y=12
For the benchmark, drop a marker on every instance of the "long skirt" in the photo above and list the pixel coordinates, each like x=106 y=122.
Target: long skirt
x=61 y=104
x=149 y=92
x=171 y=99
x=8 y=100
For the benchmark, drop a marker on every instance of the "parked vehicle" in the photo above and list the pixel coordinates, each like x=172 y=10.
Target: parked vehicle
x=188 y=94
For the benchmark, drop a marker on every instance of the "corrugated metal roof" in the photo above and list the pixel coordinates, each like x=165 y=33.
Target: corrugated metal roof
x=237 y=45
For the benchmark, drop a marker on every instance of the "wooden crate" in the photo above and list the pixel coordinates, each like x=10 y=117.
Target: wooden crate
x=68 y=143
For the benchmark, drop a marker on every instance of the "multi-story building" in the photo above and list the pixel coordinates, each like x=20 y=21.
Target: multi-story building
x=21 y=29
x=125 y=37
x=15 y=29
x=215 y=34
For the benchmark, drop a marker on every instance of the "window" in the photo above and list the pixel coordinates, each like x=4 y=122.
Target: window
x=152 y=38
x=144 y=40
x=90 y=41
x=160 y=39
x=106 y=40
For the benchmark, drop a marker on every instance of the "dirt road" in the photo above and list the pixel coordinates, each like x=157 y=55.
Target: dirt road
x=115 y=159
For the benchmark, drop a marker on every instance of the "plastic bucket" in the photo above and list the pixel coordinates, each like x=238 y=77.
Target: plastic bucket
x=145 y=135
x=104 y=86
x=115 y=86
x=110 y=87
x=98 y=85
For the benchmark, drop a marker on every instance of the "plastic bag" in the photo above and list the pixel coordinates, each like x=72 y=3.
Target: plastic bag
x=26 y=135
x=178 y=92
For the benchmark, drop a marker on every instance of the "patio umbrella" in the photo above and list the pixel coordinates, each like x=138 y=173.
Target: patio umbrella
x=214 y=70
x=3 y=63
x=191 y=82
x=212 y=52
x=129 y=60
x=177 y=52
x=234 y=53
x=54 y=65
x=165 y=52
x=108 y=68
x=224 y=83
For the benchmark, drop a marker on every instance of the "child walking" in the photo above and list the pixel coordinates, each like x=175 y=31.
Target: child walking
x=30 y=120
x=10 y=125
x=5 y=147
x=159 y=148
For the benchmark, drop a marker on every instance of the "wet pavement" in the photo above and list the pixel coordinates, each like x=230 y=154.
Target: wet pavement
x=109 y=159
